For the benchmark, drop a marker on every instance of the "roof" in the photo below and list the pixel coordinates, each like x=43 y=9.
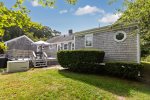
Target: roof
x=105 y=29
x=61 y=38
x=14 y=39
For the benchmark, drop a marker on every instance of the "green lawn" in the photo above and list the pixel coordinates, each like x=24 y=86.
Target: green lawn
x=56 y=84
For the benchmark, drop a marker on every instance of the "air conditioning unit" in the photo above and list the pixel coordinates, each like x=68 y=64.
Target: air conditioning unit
x=17 y=66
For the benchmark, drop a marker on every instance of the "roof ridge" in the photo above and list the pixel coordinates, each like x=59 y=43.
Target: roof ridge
x=18 y=38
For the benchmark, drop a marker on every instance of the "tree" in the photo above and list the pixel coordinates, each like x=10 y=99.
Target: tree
x=12 y=32
x=138 y=11
x=14 y=21
x=48 y=3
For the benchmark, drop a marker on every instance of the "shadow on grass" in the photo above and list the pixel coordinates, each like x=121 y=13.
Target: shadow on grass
x=114 y=85
x=146 y=72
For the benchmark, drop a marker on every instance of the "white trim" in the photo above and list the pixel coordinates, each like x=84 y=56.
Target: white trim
x=125 y=36
x=87 y=35
x=138 y=48
x=62 y=42
x=74 y=42
x=19 y=38
x=58 y=46
x=72 y=46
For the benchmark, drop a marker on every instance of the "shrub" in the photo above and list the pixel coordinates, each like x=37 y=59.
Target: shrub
x=2 y=47
x=80 y=60
x=123 y=69
x=3 y=62
x=89 y=61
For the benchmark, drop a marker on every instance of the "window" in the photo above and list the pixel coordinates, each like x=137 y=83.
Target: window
x=59 y=47
x=72 y=46
x=50 y=46
x=89 y=40
x=62 y=44
x=120 y=36
x=65 y=46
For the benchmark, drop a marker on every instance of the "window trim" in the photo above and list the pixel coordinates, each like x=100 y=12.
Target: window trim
x=72 y=47
x=125 y=36
x=64 y=46
x=58 y=46
x=87 y=35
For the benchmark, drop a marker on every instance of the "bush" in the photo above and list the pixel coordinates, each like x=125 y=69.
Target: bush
x=123 y=69
x=89 y=61
x=3 y=62
x=80 y=60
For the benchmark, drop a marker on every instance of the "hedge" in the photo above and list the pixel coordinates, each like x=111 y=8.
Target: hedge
x=80 y=59
x=123 y=69
x=3 y=62
x=89 y=61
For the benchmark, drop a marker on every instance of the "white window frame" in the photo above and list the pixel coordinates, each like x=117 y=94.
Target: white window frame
x=125 y=36
x=58 y=46
x=85 y=40
x=72 y=47
x=64 y=46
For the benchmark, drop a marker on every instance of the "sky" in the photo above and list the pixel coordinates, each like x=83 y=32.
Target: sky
x=85 y=14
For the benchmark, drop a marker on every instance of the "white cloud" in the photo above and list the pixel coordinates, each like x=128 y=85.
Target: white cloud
x=63 y=11
x=110 y=18
x=88 y=10
x=35 y=3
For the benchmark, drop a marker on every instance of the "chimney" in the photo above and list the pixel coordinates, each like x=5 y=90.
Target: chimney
x=70 y=32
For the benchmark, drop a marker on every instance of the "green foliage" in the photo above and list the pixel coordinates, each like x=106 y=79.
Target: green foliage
x=44 y=3
x=9 y=18
x=89 y=61
x=123 y=69
x=14 y=23
x=3 y=62
x=80 y=59
x=138 y=11
x=2 y=47
x=12 y=32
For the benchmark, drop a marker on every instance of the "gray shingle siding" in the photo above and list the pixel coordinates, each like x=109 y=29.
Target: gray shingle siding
x=21 y=44
x=114 y=51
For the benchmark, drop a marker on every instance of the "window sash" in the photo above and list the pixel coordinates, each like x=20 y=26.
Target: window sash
x=89 y=40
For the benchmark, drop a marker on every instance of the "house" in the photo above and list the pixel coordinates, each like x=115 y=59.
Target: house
x=62 y=42
x=116 y=41
x=19 y=45
x=120 y=43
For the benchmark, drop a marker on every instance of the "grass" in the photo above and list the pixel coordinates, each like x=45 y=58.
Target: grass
x=146 y=59
x=146 y=71
x=1 y=69
x=56 y=84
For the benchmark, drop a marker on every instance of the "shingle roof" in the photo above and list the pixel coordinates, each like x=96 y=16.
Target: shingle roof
x=61 y=38
x=14 y=39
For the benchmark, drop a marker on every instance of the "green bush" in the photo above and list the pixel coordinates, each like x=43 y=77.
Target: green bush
x=89 y=61
x=80 y=60
x=3 y=62
x=123 y=69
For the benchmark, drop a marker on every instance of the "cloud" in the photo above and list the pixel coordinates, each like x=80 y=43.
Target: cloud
x=63 y=11
x=110 y=18
x=35 y=3
x=88 y=10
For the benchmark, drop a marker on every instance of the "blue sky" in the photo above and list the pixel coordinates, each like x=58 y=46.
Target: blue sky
x=86 y=14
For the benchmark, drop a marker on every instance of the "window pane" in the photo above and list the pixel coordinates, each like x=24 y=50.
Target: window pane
x=89 y=40
x=119 y=36
x=72 y=46
x=65 y=46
